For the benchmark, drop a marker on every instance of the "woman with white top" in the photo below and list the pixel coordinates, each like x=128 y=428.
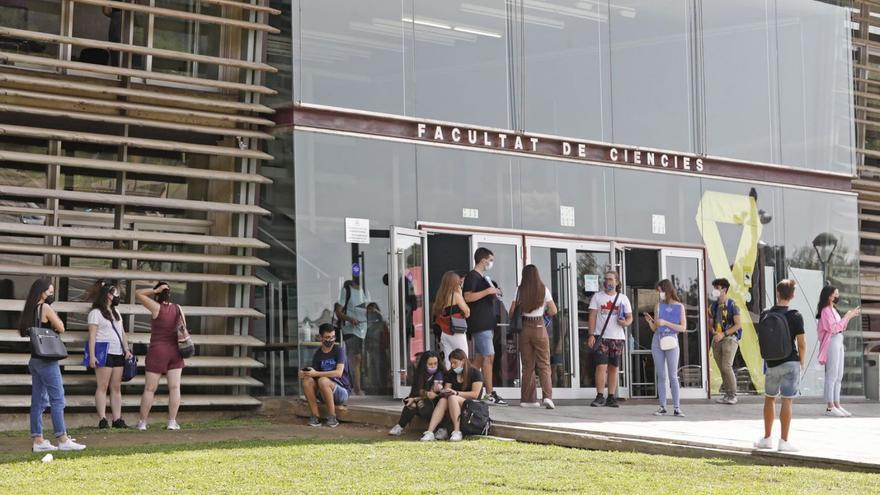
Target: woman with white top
x=668 y=321
x=107 y=337
x=534 y=342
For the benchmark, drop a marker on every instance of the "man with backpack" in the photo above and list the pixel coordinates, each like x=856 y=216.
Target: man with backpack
x=784 y=349
x=351 y=313
x=727 y=331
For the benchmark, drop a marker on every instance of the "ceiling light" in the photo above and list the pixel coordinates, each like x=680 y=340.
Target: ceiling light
x=476 y=31
x=426 y=23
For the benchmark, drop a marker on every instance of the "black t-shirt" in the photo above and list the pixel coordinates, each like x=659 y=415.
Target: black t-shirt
x=428 y=384
x=451 y=377
x=483 y=310
x=795 y=327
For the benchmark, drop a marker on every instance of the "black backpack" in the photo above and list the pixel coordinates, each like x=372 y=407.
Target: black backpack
x=774 y=337
x=474 y=418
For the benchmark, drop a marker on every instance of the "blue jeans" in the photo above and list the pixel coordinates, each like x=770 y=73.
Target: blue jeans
x=666 y=368
x=46 y=389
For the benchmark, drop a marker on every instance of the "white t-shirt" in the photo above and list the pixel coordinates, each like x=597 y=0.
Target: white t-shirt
x=602 y=302
x=357 y=309
x=105 y=332
x=539 y=311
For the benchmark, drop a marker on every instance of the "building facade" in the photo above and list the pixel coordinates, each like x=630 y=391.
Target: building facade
x=666 y=139
x=262 y=155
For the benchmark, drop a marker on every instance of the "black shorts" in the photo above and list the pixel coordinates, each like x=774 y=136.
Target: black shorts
x=114 y=361
x=609 y=352
x=354 y=345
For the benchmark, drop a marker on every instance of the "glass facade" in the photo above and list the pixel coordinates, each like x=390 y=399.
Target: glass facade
x=671 y=74
x=721 y=78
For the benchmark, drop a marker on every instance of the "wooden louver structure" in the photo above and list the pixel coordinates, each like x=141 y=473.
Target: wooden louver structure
x=135 y=159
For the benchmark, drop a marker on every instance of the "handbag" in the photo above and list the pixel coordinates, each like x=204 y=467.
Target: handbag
x=605 y=326
x=458 y=324
x=185 y=347
x=668 y=343
x=130 y=368
x=45 y=342
x=516 y=321
x=100 y=354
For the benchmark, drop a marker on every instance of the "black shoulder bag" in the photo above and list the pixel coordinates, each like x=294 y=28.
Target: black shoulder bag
x=130 y=368
x=45 y=342
x=605 y=326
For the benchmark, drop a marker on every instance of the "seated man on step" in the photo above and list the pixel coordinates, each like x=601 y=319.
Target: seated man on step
x=327 y=379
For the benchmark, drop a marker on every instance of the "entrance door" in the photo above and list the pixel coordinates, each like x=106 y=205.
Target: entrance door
x=573 y=272
x=505 y=274
x=407 y=283
x=685 y=269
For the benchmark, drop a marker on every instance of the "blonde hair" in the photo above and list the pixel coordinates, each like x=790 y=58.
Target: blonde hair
x=449 y=285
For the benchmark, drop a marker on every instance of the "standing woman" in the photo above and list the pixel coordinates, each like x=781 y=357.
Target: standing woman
x=831 y=352
x=668 y=321
x=450 y=302
x=45 y=373
x=534 y=342
x=105 y=328
x=162 y=356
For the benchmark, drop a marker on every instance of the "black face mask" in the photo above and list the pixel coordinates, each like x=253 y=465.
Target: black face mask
x=50 y=299
x=836 y=300
x=328 y=342
x=115 y=301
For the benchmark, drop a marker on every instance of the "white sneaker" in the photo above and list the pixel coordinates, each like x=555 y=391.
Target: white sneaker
x=845 y=412
x=441 y=434
x=835 y=413
x=764 y=444
x=786 y=447
x=396 y=431
x=142 y=425
x=172 y=425
x=46 y=446
x=731 y=400
x=529 y=404
x=71 y=445
x=428 y=436
x=548 y=403
x=456 y=436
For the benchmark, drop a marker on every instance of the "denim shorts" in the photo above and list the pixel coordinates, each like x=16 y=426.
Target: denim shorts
x=483 y=344
x=783 y=380
x=340 y=395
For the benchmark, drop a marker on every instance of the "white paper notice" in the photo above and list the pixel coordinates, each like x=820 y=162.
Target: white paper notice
x=470 y=213
x=357 y=230
x=566 y=216
x=658 y=224
x=591 y=283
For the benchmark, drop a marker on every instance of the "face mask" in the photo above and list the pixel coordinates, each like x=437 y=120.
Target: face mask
x=458 y=370
x=662 y=296
x=609 y=286
x=115 y=301
x=50 y=299
x=490 y=265
x=431 y=371
x=835 y=300
x=715 y=294
x=328 y=342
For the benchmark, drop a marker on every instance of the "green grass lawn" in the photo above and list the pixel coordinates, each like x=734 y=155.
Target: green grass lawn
x=313 y=466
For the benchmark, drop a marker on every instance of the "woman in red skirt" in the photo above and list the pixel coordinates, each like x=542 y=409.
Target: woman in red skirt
x=163 y=358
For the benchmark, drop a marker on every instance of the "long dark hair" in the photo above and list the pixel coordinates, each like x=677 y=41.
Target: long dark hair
x=165 y=295
x=666 y=286
x=100 y=302
x=466 y=372
x=29 y=313
x=824 y=297
x=531 y=289
x=422 y=371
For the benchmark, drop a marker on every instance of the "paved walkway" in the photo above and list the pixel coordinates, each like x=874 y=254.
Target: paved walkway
x=708 y=425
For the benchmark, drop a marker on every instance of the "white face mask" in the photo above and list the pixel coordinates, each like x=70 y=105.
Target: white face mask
x=490 y=265
x=662 y=296
x=715 y=294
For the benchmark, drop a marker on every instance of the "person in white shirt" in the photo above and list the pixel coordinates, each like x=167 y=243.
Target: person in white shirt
x=351 y=311
x=534 y=343
x=108 y=349
x=613 y=318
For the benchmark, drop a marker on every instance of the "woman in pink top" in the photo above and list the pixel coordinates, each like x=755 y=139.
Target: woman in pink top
x=831 y=352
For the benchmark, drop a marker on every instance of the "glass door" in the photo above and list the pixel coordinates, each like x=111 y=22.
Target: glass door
x=505 y=274
x=407 y=283
x=685 y=269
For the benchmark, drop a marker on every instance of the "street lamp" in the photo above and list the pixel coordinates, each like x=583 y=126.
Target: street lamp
x=825 y=244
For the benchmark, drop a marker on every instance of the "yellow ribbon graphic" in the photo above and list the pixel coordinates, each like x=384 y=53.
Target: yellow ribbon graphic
x=717 y=207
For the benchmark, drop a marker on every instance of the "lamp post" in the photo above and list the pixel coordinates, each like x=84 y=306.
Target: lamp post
x=825 y=244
